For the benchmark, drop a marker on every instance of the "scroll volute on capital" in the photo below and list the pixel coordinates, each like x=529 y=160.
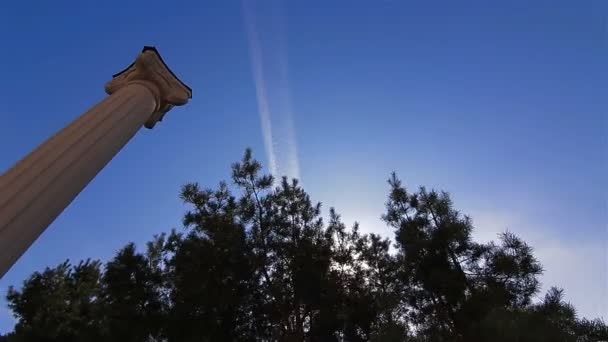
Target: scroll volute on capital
x=150 y=70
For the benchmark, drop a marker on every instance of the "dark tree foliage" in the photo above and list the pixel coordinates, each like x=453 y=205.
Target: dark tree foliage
x=257 y=262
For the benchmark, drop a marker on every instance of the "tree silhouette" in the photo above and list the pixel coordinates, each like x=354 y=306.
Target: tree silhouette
x=257 y=262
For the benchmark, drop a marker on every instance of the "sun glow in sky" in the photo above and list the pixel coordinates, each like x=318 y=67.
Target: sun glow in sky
x=501 y=103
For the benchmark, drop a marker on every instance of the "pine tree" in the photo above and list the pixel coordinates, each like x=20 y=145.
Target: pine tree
x=256 y=261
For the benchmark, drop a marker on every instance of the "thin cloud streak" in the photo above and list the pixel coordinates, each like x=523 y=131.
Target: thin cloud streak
x=293 y=165
x=276 y=117
x=260 y=86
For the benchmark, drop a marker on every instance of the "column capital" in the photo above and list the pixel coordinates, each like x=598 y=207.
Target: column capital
x=150 y=70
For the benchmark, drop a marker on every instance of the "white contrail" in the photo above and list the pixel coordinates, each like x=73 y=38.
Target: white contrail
x=293 y=166
x=281 y=149
x=260 y=87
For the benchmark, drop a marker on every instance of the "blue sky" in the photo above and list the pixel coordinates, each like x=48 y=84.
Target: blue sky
x=501 y=103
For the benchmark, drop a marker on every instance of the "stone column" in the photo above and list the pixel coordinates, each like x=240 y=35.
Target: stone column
x=41 y=185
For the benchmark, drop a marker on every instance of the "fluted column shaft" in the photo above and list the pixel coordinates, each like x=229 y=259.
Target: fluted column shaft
x=41 y=185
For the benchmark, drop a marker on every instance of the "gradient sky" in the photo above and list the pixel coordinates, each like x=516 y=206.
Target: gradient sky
x=501 y=103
